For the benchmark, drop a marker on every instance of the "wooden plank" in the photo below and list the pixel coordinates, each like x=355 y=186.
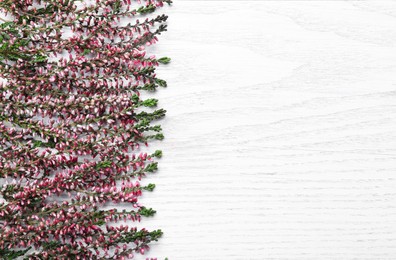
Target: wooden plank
x=280 y=136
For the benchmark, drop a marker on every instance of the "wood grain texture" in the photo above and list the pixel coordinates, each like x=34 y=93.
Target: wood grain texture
x=280 y=136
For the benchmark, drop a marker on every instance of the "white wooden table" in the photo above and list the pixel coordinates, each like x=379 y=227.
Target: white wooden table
x=280 y=135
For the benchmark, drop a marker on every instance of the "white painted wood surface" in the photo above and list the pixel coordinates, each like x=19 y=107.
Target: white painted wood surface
x=280 y=135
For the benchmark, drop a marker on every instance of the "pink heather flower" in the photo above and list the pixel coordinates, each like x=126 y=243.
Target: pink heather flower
x=71 y=127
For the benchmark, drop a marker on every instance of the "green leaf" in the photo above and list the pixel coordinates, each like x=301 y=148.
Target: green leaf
x=152 y=102
x=135 y=98
x=149 y=187
x=157 y=154
x=117 y=6
x=49 y=144
x=146 y=9
x=159 y=136
x=40 y=58
x=161 y=82
x=152 y=167
x=51 y=245
x=147 y=212
x=157 y=114
x=164 y=60
x=10 y=254
x=101 y=165
x=148 y=87
x=86 y=51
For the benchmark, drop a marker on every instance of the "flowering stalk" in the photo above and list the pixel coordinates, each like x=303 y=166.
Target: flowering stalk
x=72 y=119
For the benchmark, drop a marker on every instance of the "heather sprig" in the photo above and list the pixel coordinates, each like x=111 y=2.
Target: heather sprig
x=72 y=121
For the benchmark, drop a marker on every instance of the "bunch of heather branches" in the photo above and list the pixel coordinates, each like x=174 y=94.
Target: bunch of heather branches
x=71 y=123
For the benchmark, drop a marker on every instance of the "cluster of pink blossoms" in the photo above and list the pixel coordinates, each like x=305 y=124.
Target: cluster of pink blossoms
x=71 y=123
